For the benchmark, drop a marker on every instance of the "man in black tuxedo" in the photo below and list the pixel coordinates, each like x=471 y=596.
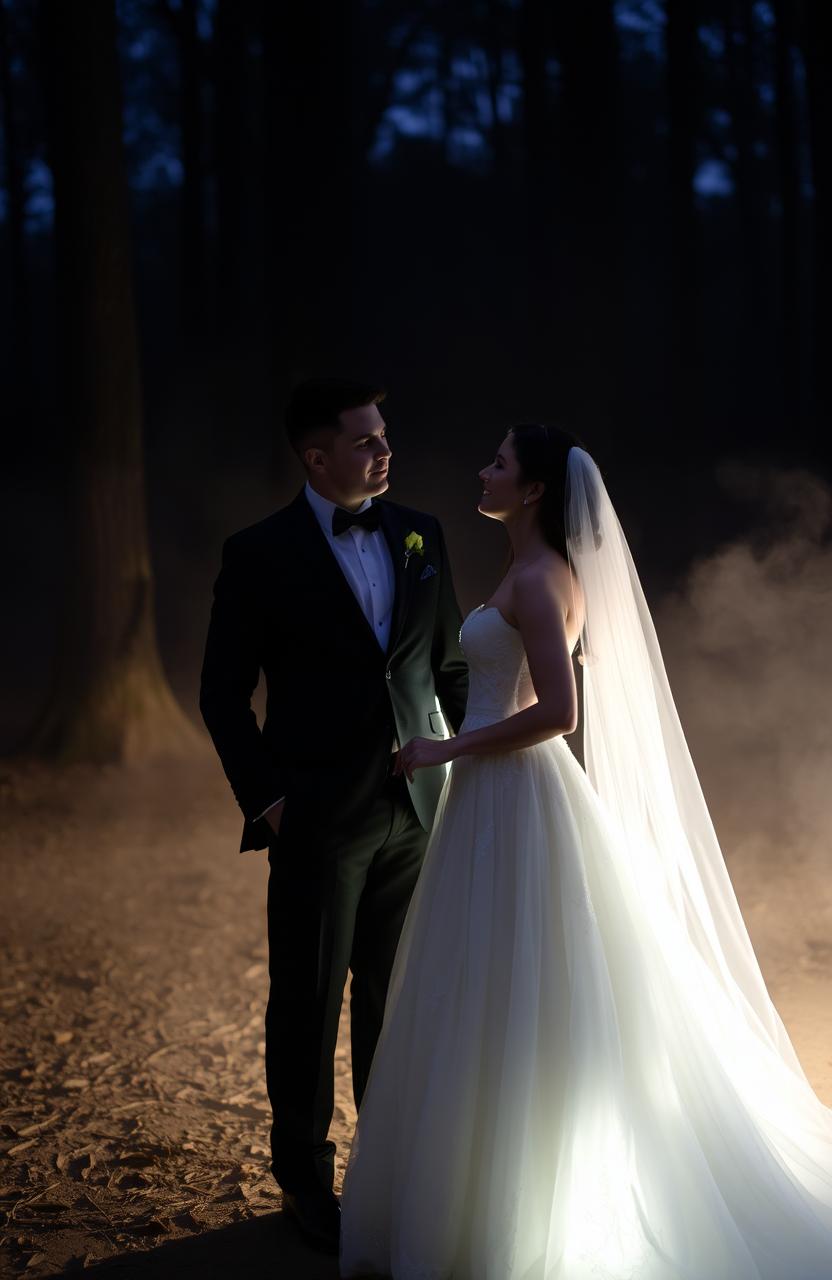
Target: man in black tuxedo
x=347 y=605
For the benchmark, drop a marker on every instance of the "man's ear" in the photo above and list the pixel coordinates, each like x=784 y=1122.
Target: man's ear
x=313 y=459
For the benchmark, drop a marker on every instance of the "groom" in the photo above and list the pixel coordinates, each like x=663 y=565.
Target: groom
x=347 y=605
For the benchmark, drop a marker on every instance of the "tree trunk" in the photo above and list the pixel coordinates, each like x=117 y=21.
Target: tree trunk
x=787 y=142
x=543 y=294
x=233 y=164
x=818 y=51
x=312 y=169
x=752 y=329
x=587 y=190
x=111 y=701
x=686 y=363
x=494 y=42
x=19 y=397
x=192 y=234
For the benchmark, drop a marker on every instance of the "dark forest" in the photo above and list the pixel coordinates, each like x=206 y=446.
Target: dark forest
x=608 y=215
x=611 y=216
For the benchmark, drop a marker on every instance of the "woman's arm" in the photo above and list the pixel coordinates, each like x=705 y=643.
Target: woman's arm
x=541 y=601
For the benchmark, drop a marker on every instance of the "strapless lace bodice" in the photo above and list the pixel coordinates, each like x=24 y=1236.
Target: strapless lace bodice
x=498 y=673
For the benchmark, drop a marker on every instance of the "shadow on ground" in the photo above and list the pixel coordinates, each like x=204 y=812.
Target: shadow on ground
x=267 y=1247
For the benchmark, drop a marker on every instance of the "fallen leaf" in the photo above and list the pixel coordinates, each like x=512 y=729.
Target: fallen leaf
x=21 y=1146
x=37 y=1125
x=126 y=1180
x=255 y=1191
x=148 y=1227
x=234 y=1193
x=227 y=1029
x=188 y=1221
x=76 y=1163
x=137 y=1159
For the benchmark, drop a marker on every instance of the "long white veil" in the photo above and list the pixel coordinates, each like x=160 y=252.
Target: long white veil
x=637 y=760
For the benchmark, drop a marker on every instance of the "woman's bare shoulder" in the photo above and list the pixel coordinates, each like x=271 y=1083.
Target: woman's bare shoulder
x=548 y=573
x=550 y=578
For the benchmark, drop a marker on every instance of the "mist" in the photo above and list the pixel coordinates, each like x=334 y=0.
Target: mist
x=747 y=637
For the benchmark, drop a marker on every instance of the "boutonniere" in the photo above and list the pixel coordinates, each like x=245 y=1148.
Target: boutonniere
x=413 y=542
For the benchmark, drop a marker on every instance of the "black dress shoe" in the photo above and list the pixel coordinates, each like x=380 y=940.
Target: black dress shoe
x=318 y=1215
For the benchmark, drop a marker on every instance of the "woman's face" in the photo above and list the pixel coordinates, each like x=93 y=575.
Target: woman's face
x=502 y=492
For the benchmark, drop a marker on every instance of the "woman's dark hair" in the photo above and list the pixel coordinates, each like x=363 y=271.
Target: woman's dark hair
x=541 y=454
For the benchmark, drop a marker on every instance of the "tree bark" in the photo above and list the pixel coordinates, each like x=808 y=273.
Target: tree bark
x=111 y=701
x=753 y=324
x=683 y=98
x=233 y=157
x=542 y=292
x=587 y=196
x=787 y=140
x=192 y=226
x=20 y=364
x=313 y=167
x=818 y=52
x=494 y=41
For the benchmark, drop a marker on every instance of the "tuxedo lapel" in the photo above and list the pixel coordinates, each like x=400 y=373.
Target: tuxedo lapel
x=322 y=567
x=395 y=533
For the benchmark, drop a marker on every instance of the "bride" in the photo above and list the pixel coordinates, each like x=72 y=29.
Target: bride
x=580 y=1072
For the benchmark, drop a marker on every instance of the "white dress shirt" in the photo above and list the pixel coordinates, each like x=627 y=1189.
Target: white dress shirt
x=365 y=561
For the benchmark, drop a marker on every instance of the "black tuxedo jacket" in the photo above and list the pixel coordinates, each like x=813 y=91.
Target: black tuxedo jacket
x=334 y=698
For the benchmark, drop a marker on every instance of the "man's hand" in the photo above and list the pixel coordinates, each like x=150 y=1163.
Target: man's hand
x=274 y=814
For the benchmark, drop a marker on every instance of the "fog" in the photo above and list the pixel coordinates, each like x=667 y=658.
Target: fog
x=747 y=639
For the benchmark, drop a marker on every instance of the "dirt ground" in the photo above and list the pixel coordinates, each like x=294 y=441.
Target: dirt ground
x=134 y=1119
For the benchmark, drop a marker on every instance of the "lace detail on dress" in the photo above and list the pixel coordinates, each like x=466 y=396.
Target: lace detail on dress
x=497 y=667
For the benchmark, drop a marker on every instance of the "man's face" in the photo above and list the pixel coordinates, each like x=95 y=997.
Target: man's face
x=355 y=465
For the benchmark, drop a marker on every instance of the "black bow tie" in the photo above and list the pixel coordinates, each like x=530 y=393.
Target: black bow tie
x=369 y=519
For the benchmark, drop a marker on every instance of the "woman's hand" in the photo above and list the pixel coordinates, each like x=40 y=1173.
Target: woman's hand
x=422 y=753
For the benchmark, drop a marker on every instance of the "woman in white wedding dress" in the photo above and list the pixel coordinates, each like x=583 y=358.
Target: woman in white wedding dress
x=580 y=1072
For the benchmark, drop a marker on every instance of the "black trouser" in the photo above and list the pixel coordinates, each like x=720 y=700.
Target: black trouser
x=336 y=901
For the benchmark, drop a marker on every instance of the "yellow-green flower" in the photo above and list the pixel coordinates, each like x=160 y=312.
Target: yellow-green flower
x=414 y=542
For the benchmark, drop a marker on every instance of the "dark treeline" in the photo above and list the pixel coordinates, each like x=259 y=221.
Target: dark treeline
x=612 y=215
x=614 y=196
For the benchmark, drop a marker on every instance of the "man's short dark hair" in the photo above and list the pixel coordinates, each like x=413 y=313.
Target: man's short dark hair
x=315 y=404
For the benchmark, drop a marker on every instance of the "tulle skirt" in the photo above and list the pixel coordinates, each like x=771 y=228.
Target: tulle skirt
x=560 y=1090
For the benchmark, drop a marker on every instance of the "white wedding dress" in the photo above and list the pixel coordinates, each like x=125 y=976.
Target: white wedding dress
x=561 y=1089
